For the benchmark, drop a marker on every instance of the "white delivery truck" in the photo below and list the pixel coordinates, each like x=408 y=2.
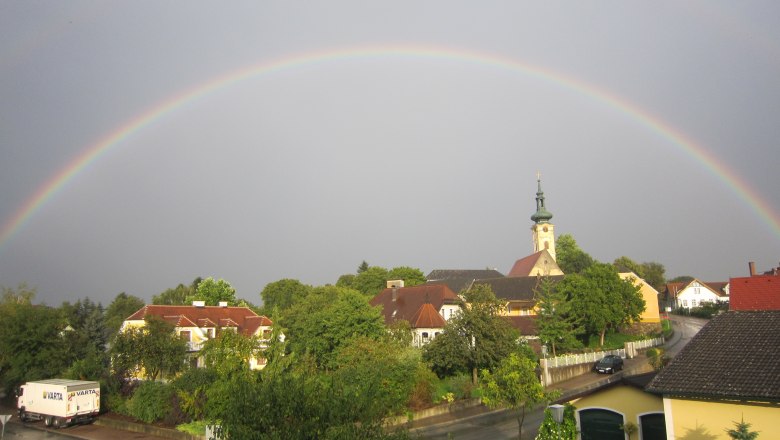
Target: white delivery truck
x=59 y=402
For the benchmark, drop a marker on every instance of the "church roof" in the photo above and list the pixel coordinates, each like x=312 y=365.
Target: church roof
x=448 y=274
x=524 y=266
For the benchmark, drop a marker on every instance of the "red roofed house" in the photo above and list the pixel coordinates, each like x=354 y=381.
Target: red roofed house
x=427 y=308
x=756 y=292
x=695 y=293
x=198 y=323
x=538 y=264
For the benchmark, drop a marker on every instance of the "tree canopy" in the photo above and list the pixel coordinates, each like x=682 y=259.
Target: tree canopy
x=476 y=338
x=600 y=299
x=284 y=293
x=153 y=350
x=213 y=292
x=514 y=384
x=557 y=326
x=570 y=258
x=120 y=309
x=327 y=319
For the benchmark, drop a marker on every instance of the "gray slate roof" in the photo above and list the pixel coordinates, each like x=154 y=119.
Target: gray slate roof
x=735 y=356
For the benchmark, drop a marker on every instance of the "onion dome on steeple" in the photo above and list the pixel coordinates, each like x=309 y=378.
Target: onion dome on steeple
x=541 y=215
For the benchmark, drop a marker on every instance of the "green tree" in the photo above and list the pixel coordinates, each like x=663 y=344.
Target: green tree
x=120 y=309
x=328 y=319
x=229 y=353
x=213 y=292
x=174 y=297
x=22 y=294
x=371 y=281
x=742 y=431
x=283 y=293
x=600 y=299
x=363 y=267
x=514 y=384
x=85 y=339
x=625 y=264
x=477 y=338
x=31 y=342
x=653 y=273
x=153 y=350
x=570 y=258
x=411 y=276
x=555 y=324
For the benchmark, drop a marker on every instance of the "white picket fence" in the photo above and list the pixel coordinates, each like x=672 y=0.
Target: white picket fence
x=629 y=351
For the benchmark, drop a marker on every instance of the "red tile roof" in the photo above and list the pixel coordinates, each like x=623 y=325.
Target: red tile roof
x=523 y=266
x=427 y=317
x=406 y=302
x=244 y=318
x=760 y=292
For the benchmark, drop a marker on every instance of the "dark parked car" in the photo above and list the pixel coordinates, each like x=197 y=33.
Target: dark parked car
x=609 y=364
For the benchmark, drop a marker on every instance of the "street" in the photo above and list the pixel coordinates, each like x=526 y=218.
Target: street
x=17 y=431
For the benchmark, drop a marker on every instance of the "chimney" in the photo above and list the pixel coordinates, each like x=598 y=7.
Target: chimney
x=223 y=304
x=199 y=303
x=752 y=268
x=395 y=284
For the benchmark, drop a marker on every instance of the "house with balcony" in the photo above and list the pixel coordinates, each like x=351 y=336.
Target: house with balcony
x=198 y=323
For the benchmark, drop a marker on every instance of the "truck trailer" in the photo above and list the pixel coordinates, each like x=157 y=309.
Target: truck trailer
x=59 y=402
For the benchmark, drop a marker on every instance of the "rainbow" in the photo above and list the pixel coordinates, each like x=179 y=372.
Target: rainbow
x=94 y=152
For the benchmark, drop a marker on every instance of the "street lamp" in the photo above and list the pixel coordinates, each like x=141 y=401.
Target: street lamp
x=557 y=412
x=557 y=415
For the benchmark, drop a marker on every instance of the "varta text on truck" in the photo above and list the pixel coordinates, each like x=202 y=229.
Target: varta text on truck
x=59 y=402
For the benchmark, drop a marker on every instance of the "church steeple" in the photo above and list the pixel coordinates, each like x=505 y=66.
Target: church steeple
x=542 y=215
x=542 y=230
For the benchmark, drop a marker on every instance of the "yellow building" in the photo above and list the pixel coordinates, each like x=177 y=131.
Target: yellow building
x=198 y=323
x=729 y=372
x=603 y=413
x=649 y=294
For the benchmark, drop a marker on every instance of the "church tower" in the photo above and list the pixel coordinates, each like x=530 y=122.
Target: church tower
x=542 y=229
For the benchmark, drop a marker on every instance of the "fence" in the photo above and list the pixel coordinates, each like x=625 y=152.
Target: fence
x=564 y=367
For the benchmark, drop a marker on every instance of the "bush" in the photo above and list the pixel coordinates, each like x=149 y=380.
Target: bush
x=461 y=386
x=151 y=402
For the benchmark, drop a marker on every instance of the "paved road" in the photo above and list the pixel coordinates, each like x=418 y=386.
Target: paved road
x=17 y=431
x=685 y=328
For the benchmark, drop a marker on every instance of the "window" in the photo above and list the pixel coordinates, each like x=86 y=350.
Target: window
x=693 y=303
x=425 y=335
x=185 y=334
x=653 y=426
x=685 y=303
x=601 y=424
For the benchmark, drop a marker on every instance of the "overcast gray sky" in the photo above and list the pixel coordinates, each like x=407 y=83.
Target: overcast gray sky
x=400 y=133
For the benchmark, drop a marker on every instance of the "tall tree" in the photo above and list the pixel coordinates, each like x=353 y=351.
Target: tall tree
x=120 y=309
x=229 y=353
x=31 y=343
x=284 y=293
x=174 y=297
x=514 y=384
x=214 y=291
x=477 y=338
x=327 y=319
x=600 y=299
x=655 y=275
x=153 y=349
x=556 y=326
x=625 y=264
x=570 y=258
x=371 y=281
x=411 y=275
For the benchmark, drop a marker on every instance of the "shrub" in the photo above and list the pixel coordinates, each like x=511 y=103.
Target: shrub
x=461 y=386
x=151 y=402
